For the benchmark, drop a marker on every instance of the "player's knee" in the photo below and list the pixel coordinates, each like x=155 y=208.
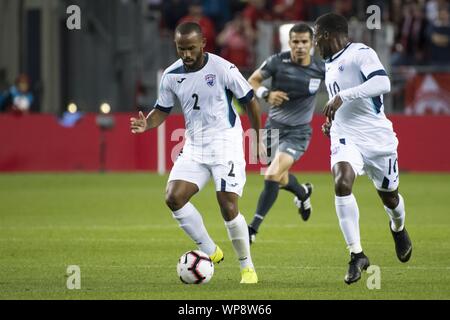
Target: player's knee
x=229 y=210
x=175 y=201
x=391 y=201
x=272 y=177
x=343 y=187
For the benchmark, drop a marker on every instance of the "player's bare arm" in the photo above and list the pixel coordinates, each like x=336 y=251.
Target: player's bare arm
x=254 y=114
x=274 y=98
x=153 y=120
x=326 y=127
x=332 y=106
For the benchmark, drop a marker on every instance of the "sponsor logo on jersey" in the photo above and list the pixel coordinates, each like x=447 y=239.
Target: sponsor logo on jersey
x=210 y=80
x=181 y=80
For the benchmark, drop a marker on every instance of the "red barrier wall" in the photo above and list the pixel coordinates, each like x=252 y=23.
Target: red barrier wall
x=40 y=143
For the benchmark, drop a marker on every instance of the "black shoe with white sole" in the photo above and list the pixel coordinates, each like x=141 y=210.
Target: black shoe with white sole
x=252 y=234
x=304 y=206
x=358 y=263
x=403 y=245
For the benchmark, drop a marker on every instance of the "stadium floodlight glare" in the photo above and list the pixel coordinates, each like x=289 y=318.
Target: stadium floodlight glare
x=105 y=108
x=72 y=108
x=105 y=121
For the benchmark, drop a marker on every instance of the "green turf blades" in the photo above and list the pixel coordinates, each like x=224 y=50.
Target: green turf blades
x=117 y=229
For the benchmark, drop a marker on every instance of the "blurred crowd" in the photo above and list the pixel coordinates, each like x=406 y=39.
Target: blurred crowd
x=422 y=27
x=421 y=32
x=17 y=98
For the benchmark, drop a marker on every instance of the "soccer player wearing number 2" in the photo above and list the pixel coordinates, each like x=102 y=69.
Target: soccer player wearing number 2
x=362 y=138
x=204 y=84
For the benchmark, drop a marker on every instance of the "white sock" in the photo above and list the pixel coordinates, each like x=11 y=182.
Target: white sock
x=190 y=220
x=238 y=234
x=397 y=215
x=348 y=214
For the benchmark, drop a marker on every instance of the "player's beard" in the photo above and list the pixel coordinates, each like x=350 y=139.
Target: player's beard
x=194 y=63
x=325 y=52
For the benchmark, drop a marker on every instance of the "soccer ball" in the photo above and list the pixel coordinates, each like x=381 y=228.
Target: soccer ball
x=195 y=267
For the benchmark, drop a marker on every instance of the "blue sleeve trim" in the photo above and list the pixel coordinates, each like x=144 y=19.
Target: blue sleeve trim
x=231 y=113
x=179 y=70
x=380 y=72
x=377 y=103
x=248 y=97
x=163 y=109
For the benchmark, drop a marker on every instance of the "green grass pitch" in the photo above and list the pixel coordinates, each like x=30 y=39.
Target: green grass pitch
x=117 y=229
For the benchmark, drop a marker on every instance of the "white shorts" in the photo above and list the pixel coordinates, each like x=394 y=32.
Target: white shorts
x=380 y=165
x=228 y=177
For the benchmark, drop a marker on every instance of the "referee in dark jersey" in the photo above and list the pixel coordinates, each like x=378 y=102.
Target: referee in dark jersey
x=296 y=77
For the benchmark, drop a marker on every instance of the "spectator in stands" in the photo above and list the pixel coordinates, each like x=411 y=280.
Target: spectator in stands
x=396 y=12
x=344 y=8
x=256 y=10
x=236 y=42
x=411 y=36
x=432 y=9
x=439 y=35
x=290 y=10
x=318 y=8
x=218 y=11
x=18 y=98
x=172 y=11
x=195 y=14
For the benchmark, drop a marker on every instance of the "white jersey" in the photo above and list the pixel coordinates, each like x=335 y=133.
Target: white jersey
x=213 y=127
x=361 y=120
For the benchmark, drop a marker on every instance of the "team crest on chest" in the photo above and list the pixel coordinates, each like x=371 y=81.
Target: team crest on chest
x=341 y=66
x=210 y=80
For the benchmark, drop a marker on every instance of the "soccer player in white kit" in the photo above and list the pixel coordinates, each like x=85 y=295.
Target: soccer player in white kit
x=204 y=84
x=362 y=138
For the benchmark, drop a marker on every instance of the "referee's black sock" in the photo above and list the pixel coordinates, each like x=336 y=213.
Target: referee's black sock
x=294 y=187
x=265 y=202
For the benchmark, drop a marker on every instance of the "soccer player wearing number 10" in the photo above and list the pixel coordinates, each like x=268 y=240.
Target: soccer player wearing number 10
x=204 y=84
x=362 y=138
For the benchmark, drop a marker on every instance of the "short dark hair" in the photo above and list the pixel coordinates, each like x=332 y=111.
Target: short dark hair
x=332 y=23
x=188 y=27
x=301 y=28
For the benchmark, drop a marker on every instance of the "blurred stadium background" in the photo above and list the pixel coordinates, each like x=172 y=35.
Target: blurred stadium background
x=111 y=65
x=67 y=96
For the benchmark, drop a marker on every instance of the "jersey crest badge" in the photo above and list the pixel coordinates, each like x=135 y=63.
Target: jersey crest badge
x=210 y=80
x=341 y=66
x=314 y=85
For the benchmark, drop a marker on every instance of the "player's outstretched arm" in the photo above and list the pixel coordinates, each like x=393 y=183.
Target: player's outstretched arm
x=256 y=80
x=254 y=114
x=153 y=120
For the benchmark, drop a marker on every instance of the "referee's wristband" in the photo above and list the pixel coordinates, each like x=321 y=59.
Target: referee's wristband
x=261 y=93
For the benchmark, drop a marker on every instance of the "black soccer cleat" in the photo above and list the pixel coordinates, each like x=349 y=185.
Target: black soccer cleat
x=403 y=246
x=251 y=234
x=304 y=206
x=358 y=263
